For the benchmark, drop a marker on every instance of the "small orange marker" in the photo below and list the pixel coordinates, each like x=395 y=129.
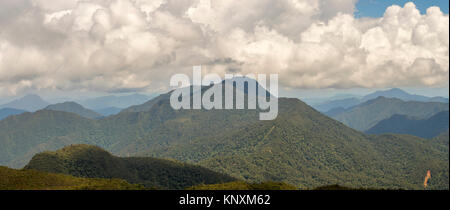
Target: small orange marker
x=425 y=183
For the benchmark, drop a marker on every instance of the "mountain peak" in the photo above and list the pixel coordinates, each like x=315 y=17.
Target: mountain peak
x=75 y=108
x=381 y=99
x=391 y=93
x=67 y=104
x=30 y=102
x=396 y=90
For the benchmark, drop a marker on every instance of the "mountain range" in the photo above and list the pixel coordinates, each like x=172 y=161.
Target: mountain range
x=403 y=95
x=111 y=104
x=120 y=102
x=302 y=147
x=402 y=124
x=99 y=106
x=75 y=108
x=28 y=103
x=345 y=103
x=108 y=111
x=366 y=115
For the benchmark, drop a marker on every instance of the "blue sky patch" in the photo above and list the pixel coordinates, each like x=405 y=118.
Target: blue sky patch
x=376 y=8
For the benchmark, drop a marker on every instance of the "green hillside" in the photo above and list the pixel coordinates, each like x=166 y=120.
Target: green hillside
x=305 y=148
x=75 y=108
x=245 y=186
x=22 y=136
x=267 y=186
x=401 y=124
x=11 y=179
x=94 y=162
x=364 y=116
x=302 y=147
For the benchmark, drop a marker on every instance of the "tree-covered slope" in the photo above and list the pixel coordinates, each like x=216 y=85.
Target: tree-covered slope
x=108 y=111
x=240 y=185
x=302 y=147
x=307 y=149
x=22 y=136
x=94 y=162
x=12 y=179
x=75 y=108
x=368 y=114
x=401 y=124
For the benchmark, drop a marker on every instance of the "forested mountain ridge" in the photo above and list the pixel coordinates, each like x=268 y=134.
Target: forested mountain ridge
x=425 y=128
x=347 y=102
x=24 y=135
x=302 y=147
x=364 y=116
x=108 y=111
x=403 y=95
x=75 y=108
x=93 y=162
x=307 y=149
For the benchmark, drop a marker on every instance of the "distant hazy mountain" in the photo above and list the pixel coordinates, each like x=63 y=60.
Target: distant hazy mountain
x=400 y=94
x=391 y=93
x=29 y=103
x=335 y=111
x=402 y=124
x=438 y=99
x=75 y=108
x=316 y=101
x=115 y=101
x=108 y=111
x=147 y=105
x=366 y=115
x=93 y=162
x=335 y=104
x=6 y=112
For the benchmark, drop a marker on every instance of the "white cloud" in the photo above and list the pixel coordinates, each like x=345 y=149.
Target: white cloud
x=115 y=45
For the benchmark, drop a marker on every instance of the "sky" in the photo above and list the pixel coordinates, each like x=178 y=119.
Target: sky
x=376 y=8
x=317 y=47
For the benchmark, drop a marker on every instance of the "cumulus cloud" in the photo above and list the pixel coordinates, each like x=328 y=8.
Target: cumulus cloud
x=117 y=45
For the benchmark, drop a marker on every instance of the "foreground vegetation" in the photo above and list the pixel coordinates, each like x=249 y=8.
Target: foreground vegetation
x=11 y=179
x=240 y=185
x=93 y=162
